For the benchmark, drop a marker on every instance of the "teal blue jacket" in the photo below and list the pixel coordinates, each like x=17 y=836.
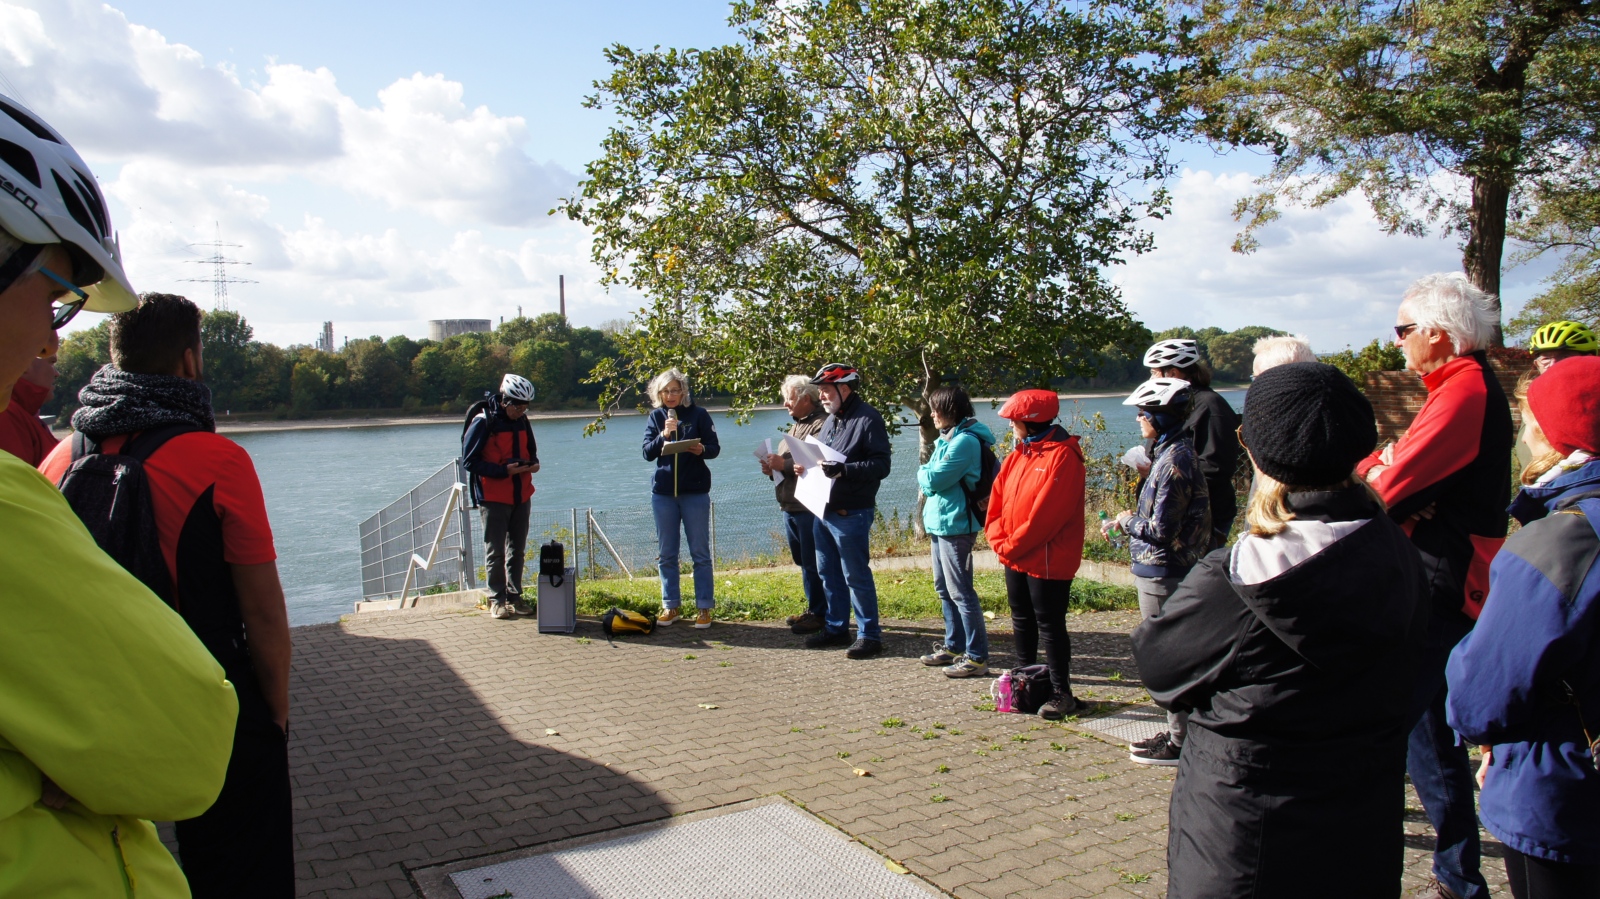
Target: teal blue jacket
x=955 y=461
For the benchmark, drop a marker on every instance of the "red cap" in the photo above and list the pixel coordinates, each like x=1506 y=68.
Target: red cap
x=1566 y=402
x=1032 y=405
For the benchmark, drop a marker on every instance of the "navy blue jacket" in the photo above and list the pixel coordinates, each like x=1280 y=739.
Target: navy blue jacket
x=692 y=473
x=857 y=430
x=1537 y=634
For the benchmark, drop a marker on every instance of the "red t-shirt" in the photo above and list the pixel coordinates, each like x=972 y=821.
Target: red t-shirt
x=179 y=474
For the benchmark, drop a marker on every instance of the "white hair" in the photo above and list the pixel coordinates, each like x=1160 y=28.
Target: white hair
x=1448 y=303
x=796 y=386
x=662 y=381
x=1281 y=350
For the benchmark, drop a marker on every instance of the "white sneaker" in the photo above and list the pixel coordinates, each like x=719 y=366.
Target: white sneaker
x=501 y=610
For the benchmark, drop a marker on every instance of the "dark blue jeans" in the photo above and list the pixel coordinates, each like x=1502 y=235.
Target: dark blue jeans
x=1437 y=762
x=803 y=547
x=842 y=556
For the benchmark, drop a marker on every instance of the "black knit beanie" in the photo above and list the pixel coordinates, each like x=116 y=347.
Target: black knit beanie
x=1306 y=424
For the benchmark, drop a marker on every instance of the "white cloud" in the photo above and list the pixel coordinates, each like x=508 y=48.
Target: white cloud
x=120 y=91
x=1331 y=274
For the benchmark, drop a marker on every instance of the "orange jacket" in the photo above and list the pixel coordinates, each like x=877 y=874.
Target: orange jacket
x=1035 y=521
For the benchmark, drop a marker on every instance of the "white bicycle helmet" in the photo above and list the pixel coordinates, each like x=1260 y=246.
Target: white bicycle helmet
x=48 y=196
x=1158 y=393
x=516 y=387
x=1179 y=352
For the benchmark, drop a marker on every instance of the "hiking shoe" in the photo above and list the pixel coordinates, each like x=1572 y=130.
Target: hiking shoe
x=823 y=640
x=1433 y=889
x=1149 y=742
x=523 y=607
x=501 y=610
x=940 y=657
x=667 y=617
x=966 y=668
x=1165 y=753
x=864 y=649
x=805 y=624
x=1060 y=706
x=702 y=620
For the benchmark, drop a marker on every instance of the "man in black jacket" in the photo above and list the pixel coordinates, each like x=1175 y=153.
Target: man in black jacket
x=857 y=431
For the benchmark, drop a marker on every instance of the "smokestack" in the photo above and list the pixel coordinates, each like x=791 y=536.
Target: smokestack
x=563 y=283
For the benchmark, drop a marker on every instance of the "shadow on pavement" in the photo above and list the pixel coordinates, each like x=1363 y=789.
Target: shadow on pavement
x=397 y=763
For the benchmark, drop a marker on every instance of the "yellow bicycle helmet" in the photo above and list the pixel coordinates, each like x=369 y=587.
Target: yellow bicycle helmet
x=1566 y=335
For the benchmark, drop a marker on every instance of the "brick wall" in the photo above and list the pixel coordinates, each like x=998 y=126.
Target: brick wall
x=1397 y=396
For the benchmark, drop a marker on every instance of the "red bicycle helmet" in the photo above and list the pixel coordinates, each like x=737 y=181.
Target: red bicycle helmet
x=1032 y=405
x=836 y=373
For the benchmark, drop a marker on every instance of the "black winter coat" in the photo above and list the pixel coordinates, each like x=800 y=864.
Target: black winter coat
x=681 y=474
x=857 y=430
x=1291 y=781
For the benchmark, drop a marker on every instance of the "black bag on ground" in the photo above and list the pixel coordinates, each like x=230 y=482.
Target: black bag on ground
x=111 y=494
x=1030 y=688
x=553 y=562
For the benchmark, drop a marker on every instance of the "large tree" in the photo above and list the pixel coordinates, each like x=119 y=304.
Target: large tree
x=1567 y=223
x=929 y=189
x=1439 y=111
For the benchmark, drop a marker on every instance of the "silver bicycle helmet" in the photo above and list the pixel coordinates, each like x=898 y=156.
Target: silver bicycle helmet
x=1179 y=352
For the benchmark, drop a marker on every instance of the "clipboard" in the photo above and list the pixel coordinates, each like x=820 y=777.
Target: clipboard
x=679 y=446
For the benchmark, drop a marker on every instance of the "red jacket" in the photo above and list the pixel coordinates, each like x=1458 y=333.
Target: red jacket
x=22 y=434
x=1035 y=521
x=1456 y=459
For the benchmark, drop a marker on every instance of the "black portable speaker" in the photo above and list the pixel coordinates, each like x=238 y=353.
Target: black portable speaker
x=553 y=562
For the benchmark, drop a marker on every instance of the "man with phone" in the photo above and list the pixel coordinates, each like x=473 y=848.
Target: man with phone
x=499 y=451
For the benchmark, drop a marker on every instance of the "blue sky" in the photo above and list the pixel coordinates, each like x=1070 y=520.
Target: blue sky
x=388 y=163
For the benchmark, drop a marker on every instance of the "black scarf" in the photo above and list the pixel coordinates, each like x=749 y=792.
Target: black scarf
x=119 y=402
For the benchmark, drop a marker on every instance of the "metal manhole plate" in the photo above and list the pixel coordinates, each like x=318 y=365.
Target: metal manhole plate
x=772 y=850
x=1129 y=725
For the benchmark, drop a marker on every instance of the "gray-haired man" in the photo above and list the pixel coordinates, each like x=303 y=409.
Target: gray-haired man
x=804 y=402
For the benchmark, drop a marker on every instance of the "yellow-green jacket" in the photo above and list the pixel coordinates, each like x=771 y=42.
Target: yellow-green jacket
x=107 y=692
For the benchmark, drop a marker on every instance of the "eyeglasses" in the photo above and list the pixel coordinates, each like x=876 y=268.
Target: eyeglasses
x=521 y=403
x=670 y=391
x=1238 y=434
x=65 y=311
x=1400 y=331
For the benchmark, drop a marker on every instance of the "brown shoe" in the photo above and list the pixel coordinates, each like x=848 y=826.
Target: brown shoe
x=667 y=617
x=805 y=624
x=702 y=620
x=1433 y=889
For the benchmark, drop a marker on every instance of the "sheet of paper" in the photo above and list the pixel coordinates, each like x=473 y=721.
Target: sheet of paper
x=814 y=488
x=762 y=451
x=1136 y=457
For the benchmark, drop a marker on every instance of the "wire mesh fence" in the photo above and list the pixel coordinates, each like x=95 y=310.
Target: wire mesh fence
x=746 y=532
x=409 y=527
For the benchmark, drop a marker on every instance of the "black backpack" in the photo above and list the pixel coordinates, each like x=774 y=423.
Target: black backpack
x=111 y=494
x=978 y=494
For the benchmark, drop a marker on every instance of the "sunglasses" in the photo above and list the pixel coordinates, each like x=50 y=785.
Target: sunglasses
x=1400 y=331
x=64 y=312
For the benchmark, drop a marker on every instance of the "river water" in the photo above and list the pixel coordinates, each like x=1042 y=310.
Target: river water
x=321 y=484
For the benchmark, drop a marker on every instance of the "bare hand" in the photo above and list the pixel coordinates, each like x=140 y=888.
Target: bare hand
x=799 y=469
x=520 y=468
x=774 y=462
x=1375 y=471
x=765 y=468
x=670 y=429
x=698 y=448
x=1483 y=766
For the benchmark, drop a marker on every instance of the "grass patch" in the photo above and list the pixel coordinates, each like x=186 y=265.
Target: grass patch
x=773 y=595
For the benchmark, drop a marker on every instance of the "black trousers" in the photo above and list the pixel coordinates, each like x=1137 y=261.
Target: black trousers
x=505 y=539
x=1535 y=878
x=1039 y=615
x=243 y=846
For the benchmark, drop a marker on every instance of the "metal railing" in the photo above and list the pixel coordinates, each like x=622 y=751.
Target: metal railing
x=421 y=540
x=747 y=531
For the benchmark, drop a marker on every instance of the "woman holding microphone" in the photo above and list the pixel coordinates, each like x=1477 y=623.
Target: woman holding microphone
x=681 y=490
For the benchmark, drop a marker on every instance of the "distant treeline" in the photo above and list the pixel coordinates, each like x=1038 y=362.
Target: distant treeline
x=246 y=375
